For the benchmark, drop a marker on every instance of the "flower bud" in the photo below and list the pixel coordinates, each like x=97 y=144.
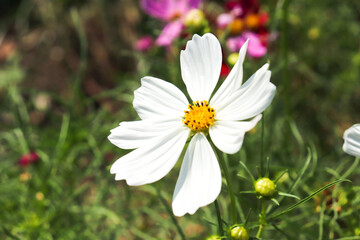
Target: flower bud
x=265 y=187
x=213 y=237
x=313 y=33
x=232 y=58
x=195 y=19
x=39 y=196
x=239 y=233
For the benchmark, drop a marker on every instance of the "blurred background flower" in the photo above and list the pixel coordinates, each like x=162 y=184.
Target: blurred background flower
x=172 y=13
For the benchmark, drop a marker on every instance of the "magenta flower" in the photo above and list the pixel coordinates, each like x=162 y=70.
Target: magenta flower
x=224 y=19
x=144 y=43
x=29 y=158
x=173 y=13
x=255 y=49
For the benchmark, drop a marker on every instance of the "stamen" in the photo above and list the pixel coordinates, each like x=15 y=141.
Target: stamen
x=199 y=117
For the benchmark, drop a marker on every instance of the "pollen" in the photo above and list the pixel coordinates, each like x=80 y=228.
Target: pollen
x=199 y=117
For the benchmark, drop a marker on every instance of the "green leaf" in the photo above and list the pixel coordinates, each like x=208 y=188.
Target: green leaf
x=349 y=238
x=351 y=169
x=333 y=172
x=295 y=131
x=275 y=201
x=321 y=221
x=302 y=172
x=250 y=191
x=279 y=177
x=297 y=180
x=248 y=171
x=307 y=198
x=288 y=195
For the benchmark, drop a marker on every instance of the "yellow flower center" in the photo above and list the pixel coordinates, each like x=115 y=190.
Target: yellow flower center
x=199 y=117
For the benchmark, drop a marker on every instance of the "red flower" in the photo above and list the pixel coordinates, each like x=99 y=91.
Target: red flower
x=263 y=19
x=29 y=158
x=225 y=70
x=248 y=6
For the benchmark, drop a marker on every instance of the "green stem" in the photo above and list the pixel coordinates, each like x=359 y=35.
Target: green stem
x=75 y=16
x=168 y=210
x=285 y=72
x=230 y=188
x=262 y=219
x=262 y=145
x=218 y=215
x=351 y=169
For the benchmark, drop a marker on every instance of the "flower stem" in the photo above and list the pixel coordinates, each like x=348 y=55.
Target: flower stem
x=262 y=145
x=230 y=188
x=218 y=215
x=285 y=71
x=168 y=210
x=262 y=219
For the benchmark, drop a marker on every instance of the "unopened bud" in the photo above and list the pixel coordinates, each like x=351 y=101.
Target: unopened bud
x=313 y=33
x=39 y=196
x=213 y=237
x=239 y=233
x=195 y=19
x=265 y=187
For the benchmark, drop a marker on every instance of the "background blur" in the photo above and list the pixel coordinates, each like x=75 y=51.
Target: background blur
x=68 y=69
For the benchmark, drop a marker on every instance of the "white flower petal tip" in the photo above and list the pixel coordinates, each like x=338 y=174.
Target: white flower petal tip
x=199 y=182
x=244 y=48
x=352 y=141
x=157 y=98
x=228 y=136
x=201 y=65
x=251 y=99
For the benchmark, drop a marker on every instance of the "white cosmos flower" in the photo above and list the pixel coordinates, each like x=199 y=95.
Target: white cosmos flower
x=168 y=120
x=352 y=140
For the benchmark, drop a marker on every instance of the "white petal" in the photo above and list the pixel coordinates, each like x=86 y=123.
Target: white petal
x=228 y=136
x=252 y=98
x=199 y=182
x=130 y=135
x=156 y=98
x=153 y=161
x=200 y=66
x=352 y=140
x=233 y=80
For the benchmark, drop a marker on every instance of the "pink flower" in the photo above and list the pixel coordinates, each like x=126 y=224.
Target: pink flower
x=29 y=158
x=172 y=12
x=255 y=49
x=144 y=43
x=224 y=19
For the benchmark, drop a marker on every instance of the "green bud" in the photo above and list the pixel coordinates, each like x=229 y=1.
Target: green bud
x=265 y=187
x=213 y=237
x=232 y=58
x=195 y=19
x=357 y=231
x=238 y=232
